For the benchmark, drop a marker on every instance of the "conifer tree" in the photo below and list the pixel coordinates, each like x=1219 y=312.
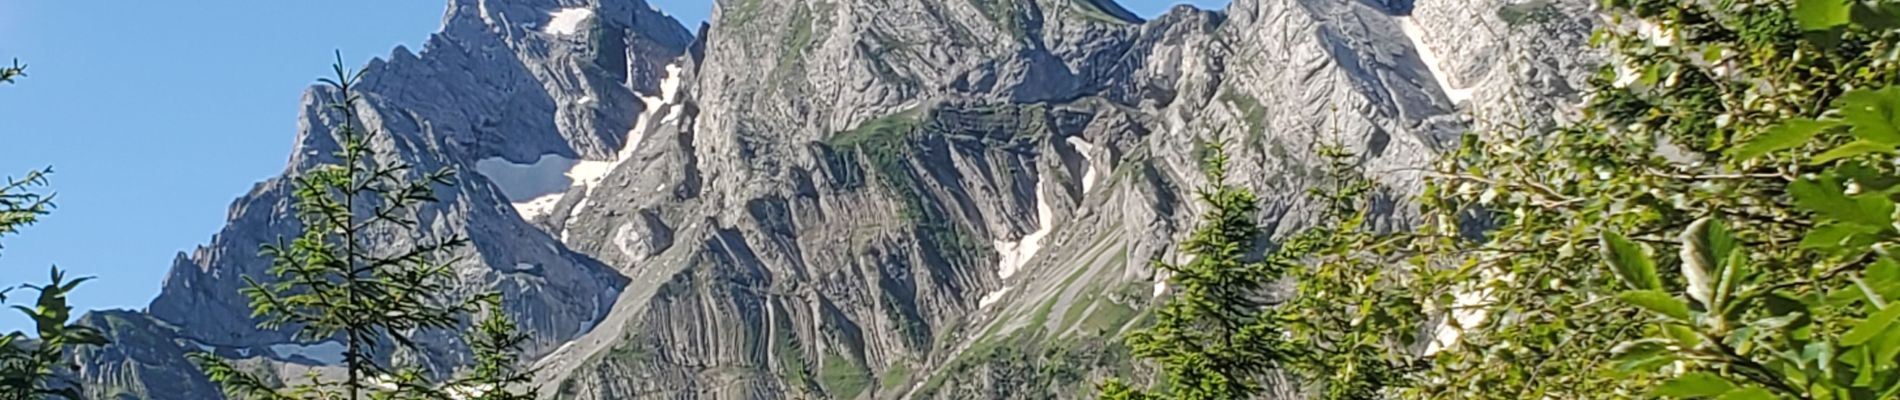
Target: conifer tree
x=20 y=206
x=1213 y=337
x=497 y=374
x=30 y=365
x=335 y=281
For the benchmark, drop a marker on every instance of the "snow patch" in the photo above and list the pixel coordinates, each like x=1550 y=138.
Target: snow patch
x=326 y=353
x=523 y=182
x=567 y=21
x=669 y=90
x=591 y=173
x=1430 y=57
x=1088 y=150
x=991 y=298
x=482 y=7
x=538 y=206
x=533 y=188
x=670 y=87
x=454 y=392
x=461 y=392
x=1014 y=254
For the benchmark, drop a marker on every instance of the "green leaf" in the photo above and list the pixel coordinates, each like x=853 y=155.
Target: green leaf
x=1825 y=197
x=1862 y=359
x=1748 y=393
x=1642 y=355
x=1819 y=15
x=1789 y=134
x=1657 y=301
x=1735 y=269
x=1852 y=149
x=1704 y=246
x=1885 y=346
x=1694 y=384
x=1831 y=236
x=1821 y=354
x=1628 y=261
x=1880 y=16
x=1884 y=277
x=1872 y=326
x=1873 y=114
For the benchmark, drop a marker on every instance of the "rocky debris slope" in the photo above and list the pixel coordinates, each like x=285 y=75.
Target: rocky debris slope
x=505 y=82
x=1273 y=79
x=870 y=199
x=960 y=199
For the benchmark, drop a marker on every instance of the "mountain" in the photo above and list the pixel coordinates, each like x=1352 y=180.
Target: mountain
x=863 y=198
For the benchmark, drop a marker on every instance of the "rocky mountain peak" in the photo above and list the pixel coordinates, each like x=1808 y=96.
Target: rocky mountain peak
x=871 y=199
x=519 y=97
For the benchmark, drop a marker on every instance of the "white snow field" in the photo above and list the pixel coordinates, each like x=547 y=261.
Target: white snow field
x=567 y=21
x=1430 y=57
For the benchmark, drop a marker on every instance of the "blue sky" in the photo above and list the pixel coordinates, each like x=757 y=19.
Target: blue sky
x=155 y=116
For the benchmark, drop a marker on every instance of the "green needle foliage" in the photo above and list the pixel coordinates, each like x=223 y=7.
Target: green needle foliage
x=336 y=280
x=19 y=205
x=497 y=375
x=1213 y=338
x=7 y=74
x=1345 y=329
x=30 y=366
x=1351 y=317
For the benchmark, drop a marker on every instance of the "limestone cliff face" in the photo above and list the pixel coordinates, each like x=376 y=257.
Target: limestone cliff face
x=954 y=198
x=505 y=81
x=1272 y=79
x=875 y=199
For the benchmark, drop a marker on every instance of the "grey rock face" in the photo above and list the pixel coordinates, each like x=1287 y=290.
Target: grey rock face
x=145 y=361
x=1272 y=79
x=501 y=81
x=846 y=201
x=890 y=199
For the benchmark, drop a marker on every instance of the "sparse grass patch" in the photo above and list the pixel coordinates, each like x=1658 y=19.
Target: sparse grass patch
x=844 y=378
x=1530 y=12
x=791 y=356
x=797 y=42
x=1003 y=14
x=742 y=13
x=895 y=376
x=1091 y=11
x=1108 y=318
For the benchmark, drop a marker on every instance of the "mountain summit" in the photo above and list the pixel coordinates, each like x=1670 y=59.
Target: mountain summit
x=858 y=199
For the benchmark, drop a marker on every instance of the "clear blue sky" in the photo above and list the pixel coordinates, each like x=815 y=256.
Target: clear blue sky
x=156 y=115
